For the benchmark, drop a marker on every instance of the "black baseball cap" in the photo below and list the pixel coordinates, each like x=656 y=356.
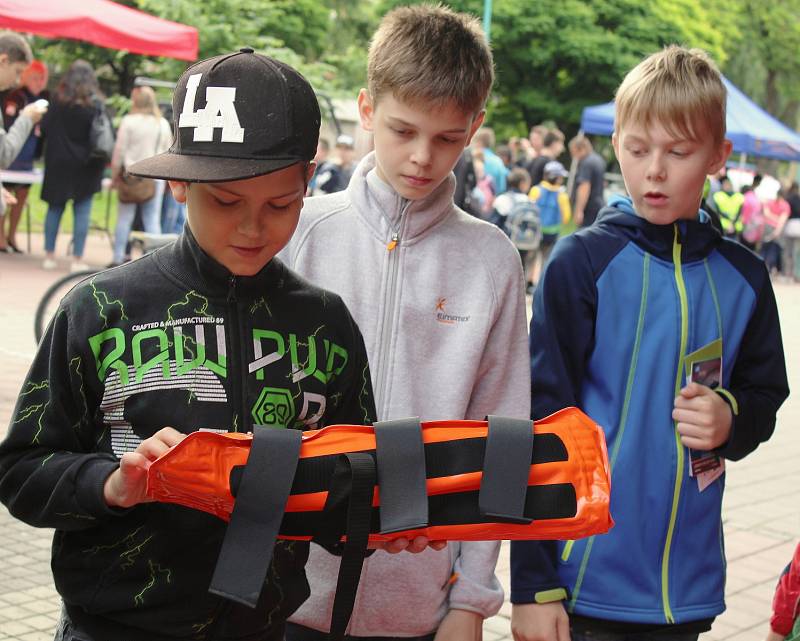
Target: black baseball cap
x=237 y=116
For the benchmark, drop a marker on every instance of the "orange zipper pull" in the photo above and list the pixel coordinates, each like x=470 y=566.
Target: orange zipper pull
x=451 y=581
x=393 y=243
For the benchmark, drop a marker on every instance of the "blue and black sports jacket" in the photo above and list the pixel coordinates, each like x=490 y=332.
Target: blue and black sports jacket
x=620 y=306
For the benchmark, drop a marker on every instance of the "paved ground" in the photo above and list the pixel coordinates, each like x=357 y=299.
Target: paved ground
x=762 y=518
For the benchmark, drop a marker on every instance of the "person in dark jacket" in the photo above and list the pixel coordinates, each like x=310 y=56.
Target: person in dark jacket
x=211 y=332
x=667 y=335
x=70 y=173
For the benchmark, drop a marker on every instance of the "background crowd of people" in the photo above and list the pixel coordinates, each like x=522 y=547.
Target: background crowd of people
x=486 y=170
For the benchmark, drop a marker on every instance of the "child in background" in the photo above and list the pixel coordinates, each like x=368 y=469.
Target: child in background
x=554 y=210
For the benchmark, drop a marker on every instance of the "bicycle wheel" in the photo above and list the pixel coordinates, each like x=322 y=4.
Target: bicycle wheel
x=48 y=305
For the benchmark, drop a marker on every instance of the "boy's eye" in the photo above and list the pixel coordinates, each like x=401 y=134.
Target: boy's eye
x=225 y=203
x=282 y=204
x=449 y=141
x=679 y=153
x=401 y=132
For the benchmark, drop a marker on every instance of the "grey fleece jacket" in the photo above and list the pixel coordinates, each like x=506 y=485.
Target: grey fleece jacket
x=11 y=143
x=442 y=313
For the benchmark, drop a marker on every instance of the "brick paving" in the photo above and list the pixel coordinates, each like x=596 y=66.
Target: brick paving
x=761 y=514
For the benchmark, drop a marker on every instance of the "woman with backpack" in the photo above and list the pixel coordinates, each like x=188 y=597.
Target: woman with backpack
x=72 y=169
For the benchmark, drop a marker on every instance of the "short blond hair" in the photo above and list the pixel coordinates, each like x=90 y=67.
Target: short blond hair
x=680 y=88
x=431 y=54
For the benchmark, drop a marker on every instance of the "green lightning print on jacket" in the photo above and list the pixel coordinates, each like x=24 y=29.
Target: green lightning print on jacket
x=172 y=340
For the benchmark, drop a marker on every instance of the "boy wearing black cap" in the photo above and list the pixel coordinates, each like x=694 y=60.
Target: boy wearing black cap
x=211 y=332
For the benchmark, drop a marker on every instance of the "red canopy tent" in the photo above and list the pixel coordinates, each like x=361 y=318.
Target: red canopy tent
x=103 y=23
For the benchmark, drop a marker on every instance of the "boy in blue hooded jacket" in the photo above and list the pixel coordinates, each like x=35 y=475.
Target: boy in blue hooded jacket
x=667 y=335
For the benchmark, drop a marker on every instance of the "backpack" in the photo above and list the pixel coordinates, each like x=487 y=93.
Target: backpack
x=523 y=223
x=101 y=135
x=549 y=211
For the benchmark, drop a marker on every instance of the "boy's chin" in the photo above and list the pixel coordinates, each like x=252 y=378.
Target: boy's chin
x=240 y=268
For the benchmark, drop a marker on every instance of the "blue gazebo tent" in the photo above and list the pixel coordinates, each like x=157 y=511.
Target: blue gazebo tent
x=751 y=129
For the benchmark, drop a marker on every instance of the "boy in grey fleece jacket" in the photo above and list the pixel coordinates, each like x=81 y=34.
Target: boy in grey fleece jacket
x=438 y=296
x=15 y=55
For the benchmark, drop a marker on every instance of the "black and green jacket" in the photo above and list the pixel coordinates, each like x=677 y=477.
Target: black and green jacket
x=173 y=339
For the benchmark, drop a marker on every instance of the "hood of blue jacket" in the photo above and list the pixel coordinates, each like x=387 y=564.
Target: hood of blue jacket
x=697 y=236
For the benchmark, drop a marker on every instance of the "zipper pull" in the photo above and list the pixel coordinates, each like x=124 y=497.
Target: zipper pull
x=232 y=290
x=393 y=243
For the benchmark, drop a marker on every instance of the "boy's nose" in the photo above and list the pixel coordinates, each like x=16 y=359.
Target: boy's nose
x=656 y=169
x=422 y=154
x=250 y=224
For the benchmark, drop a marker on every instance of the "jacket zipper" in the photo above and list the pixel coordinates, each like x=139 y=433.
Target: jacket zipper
x=388 y=312
x=676 y=492
x=237 y=347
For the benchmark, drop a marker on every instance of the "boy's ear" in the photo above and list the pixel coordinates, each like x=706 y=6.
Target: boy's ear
x=615 y=144
x=312 y=167
x=476 y=124
x=366 y=110
x=723 y=152
x=179 y=190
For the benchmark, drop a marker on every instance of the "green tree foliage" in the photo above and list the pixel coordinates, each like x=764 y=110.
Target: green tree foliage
x=326 y=40
x=765 y=62
x=553 y=59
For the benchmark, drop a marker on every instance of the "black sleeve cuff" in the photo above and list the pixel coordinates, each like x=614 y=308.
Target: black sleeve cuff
x=89 y=487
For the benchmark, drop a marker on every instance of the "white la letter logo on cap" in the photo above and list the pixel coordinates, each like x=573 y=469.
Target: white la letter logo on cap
x=219 y=112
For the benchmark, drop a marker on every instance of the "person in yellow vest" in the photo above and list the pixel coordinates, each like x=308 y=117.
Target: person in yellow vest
x=728 y=203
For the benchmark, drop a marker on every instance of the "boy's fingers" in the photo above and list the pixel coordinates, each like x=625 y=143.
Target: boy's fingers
x=418 y=544
x=695 y=443
x=133 y=463
x=152 y=448
x=692 y=390
x=169 y=436
x=398 y=545
x=692 y=430
x=687 y=416
x=437 y=545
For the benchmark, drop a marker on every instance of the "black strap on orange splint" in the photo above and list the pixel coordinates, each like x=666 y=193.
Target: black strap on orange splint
x=401 y=475
x=348 y=508
x=246 y=551
x=506 y=463
x=443 y=459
